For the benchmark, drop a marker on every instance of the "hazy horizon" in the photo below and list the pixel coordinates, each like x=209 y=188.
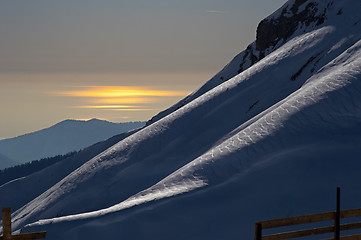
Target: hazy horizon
x=54 y=53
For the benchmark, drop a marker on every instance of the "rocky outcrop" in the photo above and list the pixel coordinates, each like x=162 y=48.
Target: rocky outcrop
x=272 y=30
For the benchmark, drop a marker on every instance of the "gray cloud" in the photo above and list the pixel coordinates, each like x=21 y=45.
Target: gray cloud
x=215 y=11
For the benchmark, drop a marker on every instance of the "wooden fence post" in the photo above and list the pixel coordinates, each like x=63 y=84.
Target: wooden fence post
x=6 y=214
x=258 y=231
x=335 y=228
x=7 y=235
x=337 y=216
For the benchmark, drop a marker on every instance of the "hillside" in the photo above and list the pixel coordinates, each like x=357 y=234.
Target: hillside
x=59 y=168
x=273 y=141
x=63 y=137
x=6 y=162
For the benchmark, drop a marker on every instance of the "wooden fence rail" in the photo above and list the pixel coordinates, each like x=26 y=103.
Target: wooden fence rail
x=320 y=217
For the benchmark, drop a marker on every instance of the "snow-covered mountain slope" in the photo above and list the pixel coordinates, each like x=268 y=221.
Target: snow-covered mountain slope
x=63 y=137
x=34 y=184
x=273 y=141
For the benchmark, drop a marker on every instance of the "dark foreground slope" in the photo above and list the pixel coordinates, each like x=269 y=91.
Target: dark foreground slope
x=32 y=185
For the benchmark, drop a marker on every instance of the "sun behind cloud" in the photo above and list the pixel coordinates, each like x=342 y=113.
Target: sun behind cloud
x=125 y=98
x=120 y=91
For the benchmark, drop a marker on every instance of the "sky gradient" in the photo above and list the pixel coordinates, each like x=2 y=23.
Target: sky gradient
x=76 y=58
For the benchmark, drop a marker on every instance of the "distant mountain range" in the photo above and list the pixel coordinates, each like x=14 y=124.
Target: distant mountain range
x=63 y=137
x=6 y=162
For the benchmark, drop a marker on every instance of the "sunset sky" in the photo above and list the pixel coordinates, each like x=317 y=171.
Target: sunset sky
x=118 y=60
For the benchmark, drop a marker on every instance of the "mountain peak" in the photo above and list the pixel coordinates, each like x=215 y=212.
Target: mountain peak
x=83 y=120
x=61 y=138
x=96 y=120
x=293 y=19
x=283 y=23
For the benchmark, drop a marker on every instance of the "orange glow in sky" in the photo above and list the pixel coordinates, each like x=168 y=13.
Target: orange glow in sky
x=121 y=91
x=119 y=98
x=48 y=98
x=125 y=100
x=109 y=106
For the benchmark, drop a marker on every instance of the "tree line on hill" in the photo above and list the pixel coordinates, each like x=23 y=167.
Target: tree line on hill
x=28 y=168
x=77 y=157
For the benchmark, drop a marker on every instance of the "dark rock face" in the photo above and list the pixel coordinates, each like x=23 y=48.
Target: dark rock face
x=271 y=31
x=248 y=55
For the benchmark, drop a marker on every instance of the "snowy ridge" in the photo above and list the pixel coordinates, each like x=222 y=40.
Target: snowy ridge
x=52 y=174
x=290 y=123
x=205 y=169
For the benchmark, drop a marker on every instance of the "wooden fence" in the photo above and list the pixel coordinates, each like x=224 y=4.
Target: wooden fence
x=335 y=228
